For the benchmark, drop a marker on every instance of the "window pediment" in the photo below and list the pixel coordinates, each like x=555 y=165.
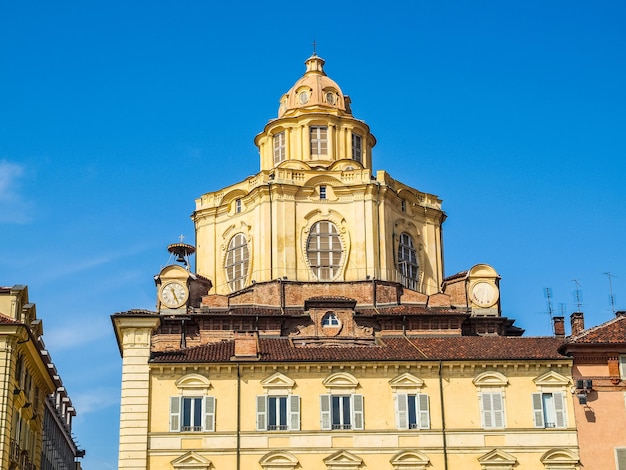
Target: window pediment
x=278 y=383
x=406 y=382
x=551 y=379
x=191 y=460
x=497 y=460
x=343 y=460
x=560 y=459
x=341 y=381
x=278 y=460
x=410 y=460
x=194 y=383
x=491 y=379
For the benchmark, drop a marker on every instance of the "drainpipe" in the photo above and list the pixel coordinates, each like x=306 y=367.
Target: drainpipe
x=238 y=418
x=443 y=419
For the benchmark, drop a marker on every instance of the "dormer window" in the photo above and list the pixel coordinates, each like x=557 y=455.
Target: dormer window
x=356 y=147
x=237 y=205
x=330 y=320
x=319 y=141
x=279 y=148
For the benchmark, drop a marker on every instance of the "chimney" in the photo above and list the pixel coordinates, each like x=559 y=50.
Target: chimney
x=246 y=346
x=577 y=320
x=620 y=313
x=559 y=326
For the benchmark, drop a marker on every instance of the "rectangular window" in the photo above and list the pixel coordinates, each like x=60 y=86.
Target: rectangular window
x=622 y=366
x=412 y=411
x=342 y=412
x=549 y=410
x=322 y=192
x=238 y=205
x=319 y=141
x=192 y=414
x=492 y=410
x=277 y=413
x=356 y=147
x=620 y=458
x=279 y=148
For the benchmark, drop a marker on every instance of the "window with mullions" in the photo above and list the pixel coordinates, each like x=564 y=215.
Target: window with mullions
x=407 y=261
x=279 y=148
x=324 y=250
x=319 y=141
x=356 y=147
x=192 y=414
x=237 y=262
x=330 y=319
x=342 y=412
x=277 y=413
x=549 y=410
x=412 y=411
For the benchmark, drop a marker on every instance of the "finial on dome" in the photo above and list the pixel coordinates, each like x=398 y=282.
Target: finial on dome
x=314 y=47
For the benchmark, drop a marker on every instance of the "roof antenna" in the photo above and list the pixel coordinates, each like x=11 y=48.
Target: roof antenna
x=612 y=297
x=547 y=293
x=579 y=295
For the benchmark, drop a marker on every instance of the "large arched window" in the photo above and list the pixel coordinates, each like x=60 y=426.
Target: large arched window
x=407 y=262
x=237 y=260
x=324 y=250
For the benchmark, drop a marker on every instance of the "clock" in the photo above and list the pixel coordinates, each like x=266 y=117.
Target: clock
x=174 y=294
x=484 y=294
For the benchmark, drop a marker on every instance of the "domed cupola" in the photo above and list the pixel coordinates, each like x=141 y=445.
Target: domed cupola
x=315 y=90
x=315 y=127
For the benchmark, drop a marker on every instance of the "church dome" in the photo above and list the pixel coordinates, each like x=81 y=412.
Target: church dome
x=314 y=91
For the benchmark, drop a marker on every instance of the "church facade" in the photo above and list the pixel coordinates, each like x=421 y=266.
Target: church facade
x=318 y=331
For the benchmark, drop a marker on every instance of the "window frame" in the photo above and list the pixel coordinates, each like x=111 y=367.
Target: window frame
x=324 y=250
x=330 y=320
x=323 y=193
x=558 y=409
x=206 y=415
x=357 y=147
x=279 y=147
x=318 y=137
x=490 y=417
x=355 y=413
x=292 y=412
x=237 y=262
x=407 y=261
x=421 y=411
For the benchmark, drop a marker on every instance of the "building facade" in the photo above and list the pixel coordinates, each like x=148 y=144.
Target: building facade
x=318 y=330
x=34 y=434
x=599 y=374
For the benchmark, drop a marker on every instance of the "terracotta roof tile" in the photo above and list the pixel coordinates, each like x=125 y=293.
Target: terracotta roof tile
x=386 y=349
x=612 y=332
x=7 y=320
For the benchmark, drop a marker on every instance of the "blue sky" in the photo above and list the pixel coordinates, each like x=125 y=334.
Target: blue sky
x=115 y=116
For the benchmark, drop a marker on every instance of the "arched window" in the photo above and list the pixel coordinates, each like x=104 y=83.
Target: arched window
x=237 y=260
x=324 y=250
x=407 y=262
x=330 y=319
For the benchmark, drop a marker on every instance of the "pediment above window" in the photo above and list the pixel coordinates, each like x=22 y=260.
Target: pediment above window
x=278 y=460
x=341 y=381
x=560 y=459
x=193 y=382
x=343 y=460
x=497 y=460
x=192 y=461
x=278 y=383
x=406 y=382
x=491 y=379
x=551 y=379
x=410 y=460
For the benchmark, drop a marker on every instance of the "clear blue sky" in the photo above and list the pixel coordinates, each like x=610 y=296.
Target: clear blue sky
x=115 y=116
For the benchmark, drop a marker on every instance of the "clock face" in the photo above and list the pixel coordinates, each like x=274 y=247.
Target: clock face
x=484 y=294
x=173 y=294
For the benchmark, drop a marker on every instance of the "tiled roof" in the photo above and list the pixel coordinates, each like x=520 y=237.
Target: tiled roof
x=385 y=349
x=611 y=332
x=7 y=320
x=408 y=309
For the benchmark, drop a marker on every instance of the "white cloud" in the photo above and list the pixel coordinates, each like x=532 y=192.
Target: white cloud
x=74 y=335
x=95 y=400
x=14 y=209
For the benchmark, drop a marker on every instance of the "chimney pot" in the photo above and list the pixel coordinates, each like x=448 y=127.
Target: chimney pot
x=559 y=326
x=577 y=320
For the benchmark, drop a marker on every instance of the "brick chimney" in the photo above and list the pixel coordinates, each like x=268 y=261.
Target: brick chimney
x=559 y=326
x=246 y=346
x=577 y=320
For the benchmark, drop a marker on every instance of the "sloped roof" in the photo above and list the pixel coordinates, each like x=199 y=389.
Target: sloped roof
x=384 y=349
x=610 y=332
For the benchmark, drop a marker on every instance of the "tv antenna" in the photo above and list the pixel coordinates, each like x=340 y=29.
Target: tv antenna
x=578 y=294
x=611 y=297
x=547 y=293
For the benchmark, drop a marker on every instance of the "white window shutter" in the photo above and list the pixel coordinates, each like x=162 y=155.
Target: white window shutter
x=486 y=410
x=325 y=412
x=423 y=413
x=559 y=409
x=261 y=413
x=357 y=411
x=538 y=410
x=622 y=366
x=498 y=410
x=620 y=458
x=174 y=414
x=209 y=414
x=294 y=412
x=402 y=415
